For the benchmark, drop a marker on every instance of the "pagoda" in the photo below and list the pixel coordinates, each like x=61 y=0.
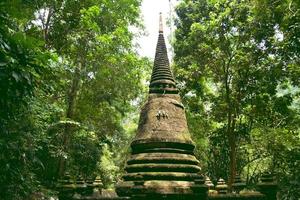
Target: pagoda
x=162 y=164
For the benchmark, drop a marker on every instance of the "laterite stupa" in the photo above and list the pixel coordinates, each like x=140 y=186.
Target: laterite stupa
x=162 y=164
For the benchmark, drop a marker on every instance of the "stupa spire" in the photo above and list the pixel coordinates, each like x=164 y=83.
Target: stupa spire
x=160 y=23
x=162 y=164
x=162 y=80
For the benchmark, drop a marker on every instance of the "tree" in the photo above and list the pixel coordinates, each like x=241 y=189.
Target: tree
x=229 y=63
x=23 y=66
x=94 y=39
x=73 y=73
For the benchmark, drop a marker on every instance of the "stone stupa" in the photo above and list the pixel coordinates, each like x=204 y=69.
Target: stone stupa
x=162 y=164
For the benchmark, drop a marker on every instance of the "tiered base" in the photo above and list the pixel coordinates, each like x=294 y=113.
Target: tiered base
x=160 y=189
x=168 y=173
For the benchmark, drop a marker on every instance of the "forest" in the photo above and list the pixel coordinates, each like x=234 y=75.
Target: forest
x=72 y=85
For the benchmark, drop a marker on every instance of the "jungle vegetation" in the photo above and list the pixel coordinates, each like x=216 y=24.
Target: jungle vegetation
x=72 y=84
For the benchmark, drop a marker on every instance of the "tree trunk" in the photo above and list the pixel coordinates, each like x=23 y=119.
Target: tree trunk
x=230 y=127
x=232 y=153
x=71 y=103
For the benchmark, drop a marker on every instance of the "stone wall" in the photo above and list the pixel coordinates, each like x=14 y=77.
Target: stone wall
x=256 y=196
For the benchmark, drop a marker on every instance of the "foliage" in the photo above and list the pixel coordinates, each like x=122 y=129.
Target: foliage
x=23 y=68
x=233 y=61
x=69 y=74
x=107 y=168
x=71 y=84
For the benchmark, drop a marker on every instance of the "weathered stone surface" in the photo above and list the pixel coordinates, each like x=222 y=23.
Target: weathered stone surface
x=162 y=164
x=209 y=183
x=162 y=81
x=268 y=186
x=162 y=167
x=221 y=186
x=248 y=196
x=238 y=184
x=162 y=187
x=143 y=176
x=66 y=187
x=170 y=130
x=174 y=158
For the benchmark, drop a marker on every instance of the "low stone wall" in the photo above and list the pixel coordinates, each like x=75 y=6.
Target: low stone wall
x=104 y=198
x=256 y=196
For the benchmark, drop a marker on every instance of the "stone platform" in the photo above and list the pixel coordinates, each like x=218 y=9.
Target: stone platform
x=255 y=196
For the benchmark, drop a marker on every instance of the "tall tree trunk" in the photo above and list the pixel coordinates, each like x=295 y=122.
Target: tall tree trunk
x=230 y=126
x=231 y=141
x=70 y=114
x=232 y=153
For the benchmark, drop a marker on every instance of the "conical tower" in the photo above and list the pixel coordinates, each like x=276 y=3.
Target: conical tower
x=162 y=163
x=162 y=80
